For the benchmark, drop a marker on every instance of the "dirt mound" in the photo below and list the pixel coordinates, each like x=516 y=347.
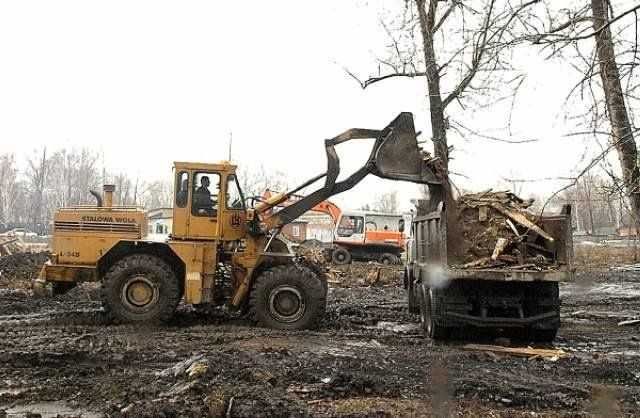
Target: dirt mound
x=355 y=274
x=19 y=269
x=358 y=274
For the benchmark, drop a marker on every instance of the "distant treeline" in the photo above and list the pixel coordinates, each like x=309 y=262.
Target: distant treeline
x=32 y=188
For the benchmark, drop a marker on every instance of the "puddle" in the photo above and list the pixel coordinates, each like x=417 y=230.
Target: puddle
x=364 y=344
x=397 y=327
x=620 y=290
x=49 y=410
x=628 y=353
x=12 y=391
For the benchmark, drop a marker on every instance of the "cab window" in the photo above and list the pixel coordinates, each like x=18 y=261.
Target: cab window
x=235 y=199
x=350 y=225
x=206 y=187
x=182 y=189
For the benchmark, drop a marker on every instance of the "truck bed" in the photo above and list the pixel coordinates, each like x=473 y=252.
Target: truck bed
x=434 y=248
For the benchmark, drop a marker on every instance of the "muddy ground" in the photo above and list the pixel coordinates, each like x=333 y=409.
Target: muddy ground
x=59 y=357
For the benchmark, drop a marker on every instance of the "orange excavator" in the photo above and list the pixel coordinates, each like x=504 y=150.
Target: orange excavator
x=359 y=235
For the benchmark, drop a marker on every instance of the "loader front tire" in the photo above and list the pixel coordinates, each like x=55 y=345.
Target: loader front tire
x=140 y=288
x=288 y=297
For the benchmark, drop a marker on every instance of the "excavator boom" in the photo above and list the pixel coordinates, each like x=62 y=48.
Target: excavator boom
x=325 y=206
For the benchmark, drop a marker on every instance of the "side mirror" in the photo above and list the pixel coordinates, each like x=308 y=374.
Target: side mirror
x=401 y=225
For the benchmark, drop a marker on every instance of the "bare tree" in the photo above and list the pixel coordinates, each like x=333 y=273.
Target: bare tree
x=463 y=52
x=387 y=202
x=621 y=129
x=157 y=194
x=603 y=49
x=8 y=184
x=127 y=189
x=37 y=171
x=254 y=180
x=72 y=173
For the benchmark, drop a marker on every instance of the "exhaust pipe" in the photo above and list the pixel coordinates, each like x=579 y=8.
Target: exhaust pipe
x=98 y=198
x=108 y=190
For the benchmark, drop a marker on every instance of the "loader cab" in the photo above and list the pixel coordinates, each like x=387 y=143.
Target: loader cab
x=208 y=202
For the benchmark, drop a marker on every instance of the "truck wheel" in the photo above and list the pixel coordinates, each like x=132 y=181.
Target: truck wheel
x=412 y=300
x=341 y=256
x=547 y=298
x=388 y=259
x=287 y=297
x=429 y=309
x=140 y=288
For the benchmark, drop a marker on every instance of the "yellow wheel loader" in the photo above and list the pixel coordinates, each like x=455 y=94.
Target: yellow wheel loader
x=223 y=248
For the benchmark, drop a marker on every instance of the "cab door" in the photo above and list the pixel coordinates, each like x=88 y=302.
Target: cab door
x=233 y=216
x=350 y=229
x=204 y=205
x=181 y=205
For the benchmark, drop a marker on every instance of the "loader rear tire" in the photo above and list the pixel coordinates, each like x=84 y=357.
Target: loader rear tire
x=288 y=297
x=341 y=256
x=140 y=288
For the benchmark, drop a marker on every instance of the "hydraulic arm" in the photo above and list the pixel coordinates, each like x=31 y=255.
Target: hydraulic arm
x=395 y=155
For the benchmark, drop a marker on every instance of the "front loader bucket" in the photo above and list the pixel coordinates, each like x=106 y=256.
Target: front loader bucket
x=396 y=154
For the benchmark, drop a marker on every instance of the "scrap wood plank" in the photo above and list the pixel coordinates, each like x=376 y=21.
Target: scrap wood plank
x=629 y=322
x=7 y=241
x=501 y=244
x=517 y=351
x=522 y=220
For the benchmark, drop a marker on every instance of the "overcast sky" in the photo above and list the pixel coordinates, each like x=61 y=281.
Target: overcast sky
x=150 y=82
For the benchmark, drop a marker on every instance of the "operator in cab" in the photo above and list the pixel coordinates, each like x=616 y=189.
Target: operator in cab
x=202 y=201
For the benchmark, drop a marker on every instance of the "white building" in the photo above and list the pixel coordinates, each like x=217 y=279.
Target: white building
x=160 y=223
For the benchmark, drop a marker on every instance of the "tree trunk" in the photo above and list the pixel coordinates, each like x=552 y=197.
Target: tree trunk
x=436 y=107
x=622 y=134
x=438 y=126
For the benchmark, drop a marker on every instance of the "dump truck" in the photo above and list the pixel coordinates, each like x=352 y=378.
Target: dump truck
x=509 y=286
x=223 y=249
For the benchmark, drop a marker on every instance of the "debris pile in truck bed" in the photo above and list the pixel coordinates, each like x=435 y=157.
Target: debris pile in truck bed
x=498 y=231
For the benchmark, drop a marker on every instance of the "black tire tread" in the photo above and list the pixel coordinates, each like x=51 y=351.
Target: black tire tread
x=439 y=331
x=313 y=287
x=116 y=311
